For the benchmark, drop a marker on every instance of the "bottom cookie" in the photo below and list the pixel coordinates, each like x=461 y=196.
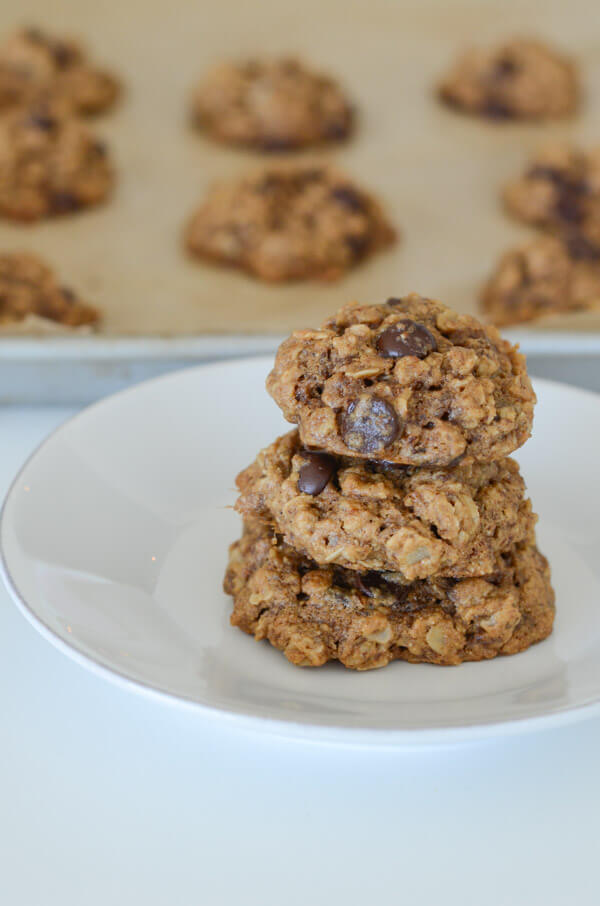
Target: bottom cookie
x=316 y=614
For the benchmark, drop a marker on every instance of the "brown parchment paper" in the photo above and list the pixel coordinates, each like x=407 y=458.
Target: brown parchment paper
x=439 y=173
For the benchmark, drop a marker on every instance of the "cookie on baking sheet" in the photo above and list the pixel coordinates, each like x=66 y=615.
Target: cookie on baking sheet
x=408 y=381
x=289 y=223
x=541 y=277
x=30 y=289
x=274 y=105
x=34 y=64
x=49 y=165
x=560 y=191
x=370 y=516
x=316 y=614
x=519 y=79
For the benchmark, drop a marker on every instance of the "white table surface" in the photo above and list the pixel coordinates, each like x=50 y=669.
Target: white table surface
x=109 y=798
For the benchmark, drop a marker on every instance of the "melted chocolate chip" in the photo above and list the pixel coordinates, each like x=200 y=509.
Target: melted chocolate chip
x=64 y=202
x=316 y=472
x=63 y=55
x=337 y=130
x=406 y=338
x=369 y=424
x=358 y=244
x=349 y=198
x=40 y=120
x=496 y=110
x=568 y=206
x=67 y=294
x=504 y=67
x=582 y=249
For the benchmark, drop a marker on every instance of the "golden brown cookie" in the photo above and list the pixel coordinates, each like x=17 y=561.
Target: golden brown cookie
x=289 y=223
x=371 y=516
x=408 y=381
x=271 y=105
x=49 y=165
x=315 y=614
x=540 y=277
x=36 y=65
x=29 y=288
x=519 y=79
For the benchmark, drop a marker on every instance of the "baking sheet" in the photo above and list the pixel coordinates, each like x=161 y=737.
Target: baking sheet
x=439 y=173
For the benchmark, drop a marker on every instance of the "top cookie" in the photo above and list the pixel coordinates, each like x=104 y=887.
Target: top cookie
x=560 y=192
x=34 y=65
x=272 y=106
x=408 y=381
x=520 y=79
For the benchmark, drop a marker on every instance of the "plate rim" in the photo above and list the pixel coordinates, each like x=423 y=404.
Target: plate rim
x=279 y=727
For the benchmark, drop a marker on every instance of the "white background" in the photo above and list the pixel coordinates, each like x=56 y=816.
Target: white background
x=109 y=798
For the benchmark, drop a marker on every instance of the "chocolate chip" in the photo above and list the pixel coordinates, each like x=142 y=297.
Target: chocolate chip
x=358 y=244
x=67 y=294
x=277 y=143
x=369 y=424
x=41 y=120
x=316 y=472
x=504 y=67
x=496 y=110
x=541 y=171
x=100 y=148
x=349 y=198
x=63 y=55
x=36 y=35
x=568 y=207
x=337 y=129
x=63 y=202
x=582 y=249
x=406 y=338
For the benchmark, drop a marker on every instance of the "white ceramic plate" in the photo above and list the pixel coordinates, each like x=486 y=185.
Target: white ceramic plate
x=114 y=541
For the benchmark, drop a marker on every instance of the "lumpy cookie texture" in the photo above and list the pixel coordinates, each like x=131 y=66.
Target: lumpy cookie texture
x=519 y=79
x=314 y=614
x=371 y=516
x=35 y=64
x=540 y=277
x=289 y=223
x=560 y=192
x=49 y=165
x=28 y=287
x=408 y=381
x=271 y=105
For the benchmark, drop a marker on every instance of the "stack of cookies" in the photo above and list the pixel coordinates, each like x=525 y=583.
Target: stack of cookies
x=391 y=524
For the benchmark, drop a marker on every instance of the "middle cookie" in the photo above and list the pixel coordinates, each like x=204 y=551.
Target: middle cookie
x=373 y=516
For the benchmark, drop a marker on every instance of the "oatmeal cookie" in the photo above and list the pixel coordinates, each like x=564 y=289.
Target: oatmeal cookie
x=541 y=277
x=319 y=613
x=49 y=165
x=289 y=223
x=520 y=79
x=28 y=287
x=372 y=516
x=273 y=106
x=560 y=192
x=35 y=64
x=408 y=381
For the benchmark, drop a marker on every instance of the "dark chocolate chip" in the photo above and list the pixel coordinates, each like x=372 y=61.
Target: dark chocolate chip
x=406 y=338
x=504 y=67
x=541 y=171
x=316 y=472
x=496 y=110
x=369 y=424
x=63 y=202
x=358 y=244
x=277 y=143
x=568 y=206
x=67 y=294
x=349 y=198
x=40 y=120
x=337 y=129
x=100 y=148
x=582 y=249
x=63 y=55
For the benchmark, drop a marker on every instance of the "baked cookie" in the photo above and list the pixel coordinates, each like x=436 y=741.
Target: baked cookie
x=34 y=65
x=273 y=106
x=373 y=516
x=560 y=191
x=29 y=288
x=520 y=79
x=49 y=165
x=541 y=277
x=289 y=223
x=316 y=614
x=408 y=381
